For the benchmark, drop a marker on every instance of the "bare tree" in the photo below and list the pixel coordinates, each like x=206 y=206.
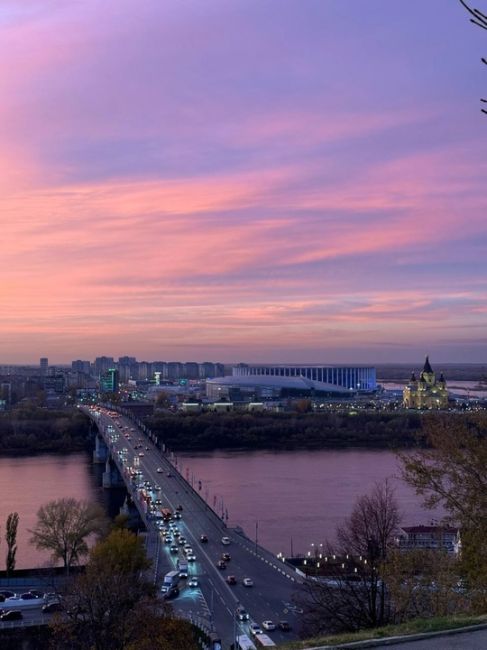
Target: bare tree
x=63 y=527
x=353 y=598
x=11 y=539
x=480 y=19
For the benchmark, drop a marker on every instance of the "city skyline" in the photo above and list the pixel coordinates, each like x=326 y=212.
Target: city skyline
x=286 y=181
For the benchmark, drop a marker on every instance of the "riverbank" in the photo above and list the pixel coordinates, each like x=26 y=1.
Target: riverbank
x=286 y=431
x=32 y=431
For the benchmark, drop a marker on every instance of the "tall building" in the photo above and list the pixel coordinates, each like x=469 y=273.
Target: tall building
x=426 y=392
x=103 y=364
x=81 y=366
x=44 y=365
x=109 y=381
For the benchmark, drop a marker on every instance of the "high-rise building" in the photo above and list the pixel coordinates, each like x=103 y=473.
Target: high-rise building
x=109 y=381
x=103 y=364
x=81 y=366
x=44 y=365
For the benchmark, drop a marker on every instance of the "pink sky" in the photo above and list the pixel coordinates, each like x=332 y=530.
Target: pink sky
x=279 y=181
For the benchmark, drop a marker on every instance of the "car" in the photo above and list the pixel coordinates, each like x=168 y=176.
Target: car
x=7 y=593
x=28 y=596
x=37 y=593
x=232 y=580
x=179 y=508
x=226 y=556
x=268 y=625
x=188 y=551
x=177 y=515
x=50 y=608
x=159 y=470
x=187 y=547
x=141 y=454
x=242 y=614
x=181 y=541
x=226 y=540
x=255 y=629
x=2 y=598
x=11 y=615
x=169 y=475
x=157 y=487
x=203 y=539
x=221 y=565
x=172 y=592
x=191 y=557
x=248 y=582
x=284 y=626
x=193 y=582
x=173 y=549
x=167 y=540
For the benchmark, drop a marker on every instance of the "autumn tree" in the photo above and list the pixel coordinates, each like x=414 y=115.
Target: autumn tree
x=11 y=539
x=113 y=605
x=451 y=472
x=343 y=601
x=63 y=527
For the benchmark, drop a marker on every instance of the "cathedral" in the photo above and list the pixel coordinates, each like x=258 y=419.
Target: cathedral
x=426 y=392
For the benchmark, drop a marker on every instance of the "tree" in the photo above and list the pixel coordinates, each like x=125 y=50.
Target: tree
x=346 y=600
x=11 y=539
x=63 y=527
x=424 y=583
x=452 y=473
x=480 y=19
x=113 y=605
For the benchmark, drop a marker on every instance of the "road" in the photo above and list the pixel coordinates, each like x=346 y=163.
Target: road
x=215 y=601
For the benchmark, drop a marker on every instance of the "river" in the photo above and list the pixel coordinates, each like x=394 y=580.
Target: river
x=292 y=499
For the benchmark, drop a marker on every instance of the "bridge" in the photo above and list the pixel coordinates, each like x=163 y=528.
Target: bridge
x=134 y=456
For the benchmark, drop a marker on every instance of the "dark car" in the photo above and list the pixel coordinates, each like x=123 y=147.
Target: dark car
x=11 y=615
x=28 y=596
x=2 y=598
x=50 y=608
x=37 y=594
x=6 y=593
x=284 y=626
x=203 y=538
x=179 y=508
x=232 y=580
x=221 y=565
x=173 y=592
x=226 y=556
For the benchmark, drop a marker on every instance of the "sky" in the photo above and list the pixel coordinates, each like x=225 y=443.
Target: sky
x=254 y=180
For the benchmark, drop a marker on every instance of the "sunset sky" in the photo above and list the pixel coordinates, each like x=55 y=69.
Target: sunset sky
x=242 y=180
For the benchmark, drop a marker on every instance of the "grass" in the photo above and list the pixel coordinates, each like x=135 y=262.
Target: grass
x=415 y=626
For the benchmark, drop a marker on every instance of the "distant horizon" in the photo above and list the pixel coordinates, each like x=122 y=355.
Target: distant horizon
x=263 y=363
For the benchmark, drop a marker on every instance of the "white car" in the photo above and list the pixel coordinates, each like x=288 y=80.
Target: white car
x=248 y=582
x=226 y=540
x=159 y=470
x=268 y=625
x=255 y=629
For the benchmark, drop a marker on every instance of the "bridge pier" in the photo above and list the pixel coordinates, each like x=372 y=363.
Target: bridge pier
x=134 y=519
x=111 y=476
x=100 y=454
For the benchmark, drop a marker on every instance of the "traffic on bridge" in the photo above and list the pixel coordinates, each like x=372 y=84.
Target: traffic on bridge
x=214 y=575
